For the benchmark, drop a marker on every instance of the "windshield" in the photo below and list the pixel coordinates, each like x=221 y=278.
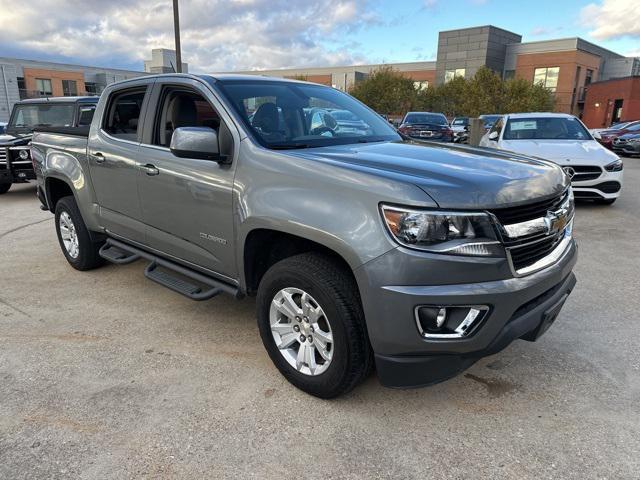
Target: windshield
x=42 y=115
x=296 y=115
x=436 y=118
x=490 y=119
x=550 y=128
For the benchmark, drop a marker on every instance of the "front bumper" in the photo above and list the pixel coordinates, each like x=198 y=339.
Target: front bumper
x=627 y=148
x=518 y=308
x=608 y=186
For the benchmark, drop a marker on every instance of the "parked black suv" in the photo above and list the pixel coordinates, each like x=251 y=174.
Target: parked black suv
x=15 y=159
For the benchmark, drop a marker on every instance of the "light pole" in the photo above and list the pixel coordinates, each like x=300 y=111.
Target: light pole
x=176 y=29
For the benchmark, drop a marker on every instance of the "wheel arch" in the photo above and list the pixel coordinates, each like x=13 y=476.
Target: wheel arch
x=262 y=247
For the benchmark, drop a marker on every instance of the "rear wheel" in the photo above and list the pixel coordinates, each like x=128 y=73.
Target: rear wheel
x=4 y=188
x=312 y=325
x=76 y=244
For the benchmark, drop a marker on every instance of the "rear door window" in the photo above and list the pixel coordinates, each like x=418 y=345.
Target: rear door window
x=123 y=114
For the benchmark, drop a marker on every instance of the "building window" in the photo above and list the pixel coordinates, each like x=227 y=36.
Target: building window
x=69 y=88
x=509 y=74
x=43 y=87
x=93 y=88
x=589 y=77
x=547 y=76
x=451 y=74
x=420 y=86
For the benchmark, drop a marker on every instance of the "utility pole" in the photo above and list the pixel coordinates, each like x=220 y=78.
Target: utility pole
x=176 y=29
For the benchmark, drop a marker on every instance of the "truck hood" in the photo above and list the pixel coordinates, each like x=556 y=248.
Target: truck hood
x=563 y=152
x=454 y=177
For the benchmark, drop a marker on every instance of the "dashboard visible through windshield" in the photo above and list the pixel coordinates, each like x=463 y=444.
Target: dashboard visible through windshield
x=549 y=128
x=284 y=115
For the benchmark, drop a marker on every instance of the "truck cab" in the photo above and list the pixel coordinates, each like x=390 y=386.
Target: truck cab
x=26 y=115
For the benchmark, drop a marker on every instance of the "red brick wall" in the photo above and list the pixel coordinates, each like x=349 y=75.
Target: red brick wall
x=56 y=77
x=568 y=62
x=321 y=79
x=598 y=105
x=422 y=76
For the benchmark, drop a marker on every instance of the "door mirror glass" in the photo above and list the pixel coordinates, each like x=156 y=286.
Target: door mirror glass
x=196 y=142
x=494 y=136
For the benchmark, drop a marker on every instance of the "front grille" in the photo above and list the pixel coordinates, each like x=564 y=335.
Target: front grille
x=526 y=255
x=585 y=172
x=530 y=211
x=3 y=158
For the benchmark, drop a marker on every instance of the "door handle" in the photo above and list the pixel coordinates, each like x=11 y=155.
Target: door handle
x=150 y=170
x=98 y=157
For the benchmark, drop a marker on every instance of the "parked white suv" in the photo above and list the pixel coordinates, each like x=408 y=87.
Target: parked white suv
x=596 y=173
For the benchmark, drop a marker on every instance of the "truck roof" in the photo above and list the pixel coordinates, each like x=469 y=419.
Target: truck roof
x=85 y=99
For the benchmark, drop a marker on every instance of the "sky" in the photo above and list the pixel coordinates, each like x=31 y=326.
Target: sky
x=229 y=35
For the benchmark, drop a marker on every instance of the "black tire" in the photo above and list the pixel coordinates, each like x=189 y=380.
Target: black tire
x=334 y=289
x=87 y=257
x=606 y=201
x=4 y=188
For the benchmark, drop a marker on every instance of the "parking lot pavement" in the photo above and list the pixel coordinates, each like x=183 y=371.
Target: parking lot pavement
x=107 y=375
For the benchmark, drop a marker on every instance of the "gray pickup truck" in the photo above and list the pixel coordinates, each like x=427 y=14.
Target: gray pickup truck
x=361 y=246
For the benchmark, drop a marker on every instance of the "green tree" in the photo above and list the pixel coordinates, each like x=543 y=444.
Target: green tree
x=447 y=98
x=386 y=91
x=522 y=96
x=484 y=93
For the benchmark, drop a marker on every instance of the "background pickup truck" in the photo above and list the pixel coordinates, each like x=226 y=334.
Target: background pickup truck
x=361 y=246
x=15 y=159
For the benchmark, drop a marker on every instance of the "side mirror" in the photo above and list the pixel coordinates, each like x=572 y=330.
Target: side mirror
x=493 y=136
x=196 y=142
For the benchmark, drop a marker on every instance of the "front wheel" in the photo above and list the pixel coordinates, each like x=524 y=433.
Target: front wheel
x=4 y=188
x=312 y=325
x=76 y=244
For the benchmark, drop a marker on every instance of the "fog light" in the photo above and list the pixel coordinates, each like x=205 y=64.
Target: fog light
x=450 y=321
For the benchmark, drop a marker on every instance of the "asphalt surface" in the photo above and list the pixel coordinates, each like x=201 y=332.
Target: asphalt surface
x=107 y=375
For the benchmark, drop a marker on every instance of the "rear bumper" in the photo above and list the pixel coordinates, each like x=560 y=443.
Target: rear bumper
x=521 y=307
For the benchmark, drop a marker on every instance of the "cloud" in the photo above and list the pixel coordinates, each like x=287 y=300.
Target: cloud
x=610 y=19
x=544 y=31
x=217 y=35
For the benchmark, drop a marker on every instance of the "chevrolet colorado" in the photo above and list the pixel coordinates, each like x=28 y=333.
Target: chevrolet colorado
x=15 y=160
x=362 y=247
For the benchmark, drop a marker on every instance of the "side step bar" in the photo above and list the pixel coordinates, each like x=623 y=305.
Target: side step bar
x=205 y=287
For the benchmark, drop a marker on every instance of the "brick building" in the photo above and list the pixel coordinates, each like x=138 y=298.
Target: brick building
x=567 y=66
x=612 y=101
x=21 y=79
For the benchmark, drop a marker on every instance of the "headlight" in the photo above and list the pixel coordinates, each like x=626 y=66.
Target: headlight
x=23 y=154
x=614 y=166
x=634 y=140
x=453 y=233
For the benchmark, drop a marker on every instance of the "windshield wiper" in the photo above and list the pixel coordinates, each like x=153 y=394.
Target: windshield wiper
x=287 y=146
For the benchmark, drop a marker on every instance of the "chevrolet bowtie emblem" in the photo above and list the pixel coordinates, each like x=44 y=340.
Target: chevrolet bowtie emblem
x=556 y=221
